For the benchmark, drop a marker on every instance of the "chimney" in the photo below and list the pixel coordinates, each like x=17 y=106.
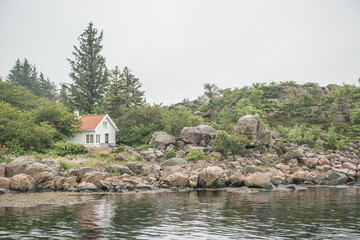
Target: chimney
x=77 y=113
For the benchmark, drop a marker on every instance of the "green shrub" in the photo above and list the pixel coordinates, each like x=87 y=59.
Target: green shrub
x=332 y=139
x=63 y=148
x=64 y=165
x=195 y=155
x=170 y=154
x=230 y=143
x=119 y=149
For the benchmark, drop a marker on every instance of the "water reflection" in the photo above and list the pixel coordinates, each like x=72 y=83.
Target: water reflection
x=317 y=213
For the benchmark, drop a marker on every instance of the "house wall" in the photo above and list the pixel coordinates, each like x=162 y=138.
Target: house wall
x=110 y=129
x=80 y=138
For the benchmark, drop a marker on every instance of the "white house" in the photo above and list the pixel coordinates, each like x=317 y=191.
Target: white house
x=96 y=131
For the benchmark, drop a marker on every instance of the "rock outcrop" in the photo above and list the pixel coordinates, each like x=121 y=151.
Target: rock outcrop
x=162 y=140
x=201 y=135
x=255 y=128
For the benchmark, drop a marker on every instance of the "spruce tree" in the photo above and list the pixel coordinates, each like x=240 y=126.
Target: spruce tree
x=47 y=88
x=124 y=92
x=88 y=71
x=26 y=75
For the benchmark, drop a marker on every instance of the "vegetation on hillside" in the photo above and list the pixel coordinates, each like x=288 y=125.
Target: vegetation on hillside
x=319 y=116
x=30 y=123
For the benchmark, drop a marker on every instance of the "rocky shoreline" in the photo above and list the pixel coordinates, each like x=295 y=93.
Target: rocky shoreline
x=258 y=166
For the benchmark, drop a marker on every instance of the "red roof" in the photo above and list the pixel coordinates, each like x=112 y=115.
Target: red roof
x=90 y=122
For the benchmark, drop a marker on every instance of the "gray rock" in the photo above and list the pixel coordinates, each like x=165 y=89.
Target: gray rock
x=292 y=153
x=177 y=179
x=161 y=140
x=255 y=128
x=117 y=168
x=5 y=182
x=195 y=135
x=258 y=180
x=175 y=162
x=336 y=178
x=18 y=165
x=211 y=177
x=79 y=173
x=251 y=169
x=22 y=182
x=135 y=167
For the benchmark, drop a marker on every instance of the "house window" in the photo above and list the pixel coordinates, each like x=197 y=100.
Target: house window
x=89 y=138
x=97 y=138
x=105 y=124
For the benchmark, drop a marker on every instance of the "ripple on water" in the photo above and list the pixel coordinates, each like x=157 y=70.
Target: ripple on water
x=317 y=213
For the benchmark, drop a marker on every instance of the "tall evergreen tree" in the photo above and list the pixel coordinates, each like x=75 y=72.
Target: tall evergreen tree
x=124 y=92
x=47 y=88
x=88 y=71
x=26 y=75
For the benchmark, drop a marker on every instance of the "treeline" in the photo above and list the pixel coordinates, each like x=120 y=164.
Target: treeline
x=26 y=75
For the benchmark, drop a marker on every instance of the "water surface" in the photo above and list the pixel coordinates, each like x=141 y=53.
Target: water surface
x=315 y=213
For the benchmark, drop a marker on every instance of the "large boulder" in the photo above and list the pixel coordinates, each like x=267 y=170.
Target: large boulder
x=22 y=182
x=175 y=162
x=94 y=178
x=5 y=182
x=79 y=173
x=44 y=180
x=258 y=180
x=161 y=140
x=36 y=167
x=211 y=177
x=255 y=128
x=18 y=165
x=177 y=179
x=336 y=178
x=135 y=167
x=117 y=169
x=201 y=135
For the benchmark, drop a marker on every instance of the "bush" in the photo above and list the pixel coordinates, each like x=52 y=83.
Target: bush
x=230 y=143
x=332 y=139
x=195 y=155
x=170 y=154
x=63 y=148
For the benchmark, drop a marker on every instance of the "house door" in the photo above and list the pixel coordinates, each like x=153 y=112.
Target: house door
x=106 y=138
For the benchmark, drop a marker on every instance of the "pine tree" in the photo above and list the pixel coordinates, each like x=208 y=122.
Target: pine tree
x=64 y=95
x=88 y=71
x=47 y=88
x=26 y=75
x=124 y=92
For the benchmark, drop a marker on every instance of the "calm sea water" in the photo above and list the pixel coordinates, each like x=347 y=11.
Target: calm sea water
x=316 y=213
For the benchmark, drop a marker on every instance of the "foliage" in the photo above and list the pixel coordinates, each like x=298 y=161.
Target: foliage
x=332 y=140
x=25 y=74
x=63 y=149
x=230 y=143
x=138 y=124
x=177 y=119
x=170 y=154
x=29 y=123
x=124 y=91
x=195 y=155
x=19 y=131
x=88 y=71
x=299 y=134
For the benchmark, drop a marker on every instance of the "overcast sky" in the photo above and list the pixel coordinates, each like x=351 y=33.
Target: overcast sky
x=174 y=47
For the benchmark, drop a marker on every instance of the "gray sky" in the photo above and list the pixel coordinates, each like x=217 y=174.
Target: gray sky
x=174 y=47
